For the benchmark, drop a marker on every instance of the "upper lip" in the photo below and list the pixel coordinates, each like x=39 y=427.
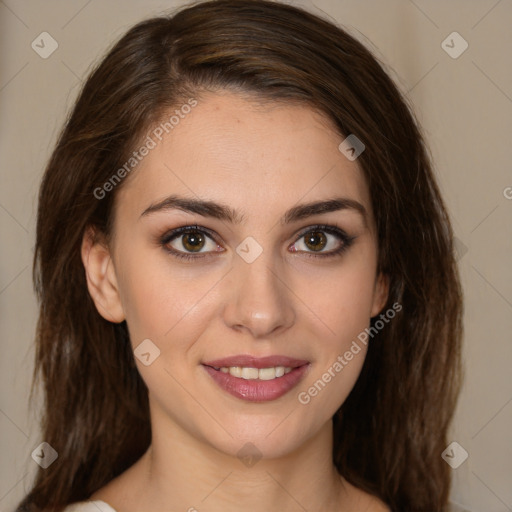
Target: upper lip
x=256 y=362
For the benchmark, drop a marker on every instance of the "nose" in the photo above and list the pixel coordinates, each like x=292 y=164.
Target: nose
x=260 y=302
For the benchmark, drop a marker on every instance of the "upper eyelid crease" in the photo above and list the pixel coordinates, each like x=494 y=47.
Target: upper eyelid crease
x=226 y=213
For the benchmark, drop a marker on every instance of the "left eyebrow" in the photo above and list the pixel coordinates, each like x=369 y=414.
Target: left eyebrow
x=303 y=211
x=226 y=213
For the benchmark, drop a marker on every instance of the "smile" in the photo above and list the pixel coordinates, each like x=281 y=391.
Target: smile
x=257 y=379
x=249 y=373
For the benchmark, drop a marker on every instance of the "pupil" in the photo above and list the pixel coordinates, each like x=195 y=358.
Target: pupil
x=193 y=241
x=316 y=241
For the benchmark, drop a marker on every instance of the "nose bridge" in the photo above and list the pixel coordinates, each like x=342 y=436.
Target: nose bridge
x=261 y=302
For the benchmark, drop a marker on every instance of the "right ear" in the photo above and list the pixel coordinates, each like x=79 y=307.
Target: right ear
x=101 y=276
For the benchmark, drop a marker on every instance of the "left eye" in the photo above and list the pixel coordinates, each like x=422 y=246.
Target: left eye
x=319 y=240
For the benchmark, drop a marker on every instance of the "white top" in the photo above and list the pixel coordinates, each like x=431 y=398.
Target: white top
x=89 y=506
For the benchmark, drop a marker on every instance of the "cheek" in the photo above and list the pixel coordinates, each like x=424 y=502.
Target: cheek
x=340 y=350
x=339 y=300
x=342 y=306
x=162 y=300
x=326 y=391
x=346 y=303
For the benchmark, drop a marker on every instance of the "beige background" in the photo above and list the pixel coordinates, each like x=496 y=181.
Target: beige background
x=464 y=104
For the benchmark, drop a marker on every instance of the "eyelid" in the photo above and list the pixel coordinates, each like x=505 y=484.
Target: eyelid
x=329 y=228
x=175 y=233
x=333 y=229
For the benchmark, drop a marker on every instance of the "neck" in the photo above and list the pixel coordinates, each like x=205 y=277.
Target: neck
x=181 y=472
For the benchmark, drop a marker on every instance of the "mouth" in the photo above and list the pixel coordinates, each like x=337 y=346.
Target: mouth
x=257 y=379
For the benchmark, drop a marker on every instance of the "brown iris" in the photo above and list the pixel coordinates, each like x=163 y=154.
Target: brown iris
x=315 y=240
x=193 y=241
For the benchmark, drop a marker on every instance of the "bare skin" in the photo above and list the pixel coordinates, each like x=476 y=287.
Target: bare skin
x=122 y=492
x=260 y=161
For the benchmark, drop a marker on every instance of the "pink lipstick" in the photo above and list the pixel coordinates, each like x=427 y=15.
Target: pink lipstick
x=257 y=379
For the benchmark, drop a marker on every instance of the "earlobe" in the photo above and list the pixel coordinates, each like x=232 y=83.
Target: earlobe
x=381 y=294
x=101 y=277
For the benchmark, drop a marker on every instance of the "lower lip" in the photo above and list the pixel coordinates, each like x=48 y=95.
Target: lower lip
x=256 y=390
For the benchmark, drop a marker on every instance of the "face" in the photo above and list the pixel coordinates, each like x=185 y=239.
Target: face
x=215 y=255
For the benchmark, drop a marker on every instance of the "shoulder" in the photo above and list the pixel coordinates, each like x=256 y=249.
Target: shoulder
x=89 y=506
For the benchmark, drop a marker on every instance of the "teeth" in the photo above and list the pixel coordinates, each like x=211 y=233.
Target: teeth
x=267 y=373
x=248 y=373
x=236 y=371
x=281 y=370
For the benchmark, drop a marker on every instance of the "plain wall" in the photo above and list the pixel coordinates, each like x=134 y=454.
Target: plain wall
x=464 y=105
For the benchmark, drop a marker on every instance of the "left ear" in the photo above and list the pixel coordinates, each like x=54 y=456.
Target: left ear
x=380 y=294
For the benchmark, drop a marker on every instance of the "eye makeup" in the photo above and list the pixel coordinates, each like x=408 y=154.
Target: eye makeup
x=200 y=234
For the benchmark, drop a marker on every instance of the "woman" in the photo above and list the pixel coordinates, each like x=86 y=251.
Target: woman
x=246 y=274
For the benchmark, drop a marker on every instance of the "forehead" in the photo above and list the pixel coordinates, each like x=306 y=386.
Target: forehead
x=259 y=158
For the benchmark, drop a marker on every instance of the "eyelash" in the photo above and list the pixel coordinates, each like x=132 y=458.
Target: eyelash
x=332 y=230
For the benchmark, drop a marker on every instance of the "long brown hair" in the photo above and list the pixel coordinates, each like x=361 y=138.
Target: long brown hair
x=390 y=432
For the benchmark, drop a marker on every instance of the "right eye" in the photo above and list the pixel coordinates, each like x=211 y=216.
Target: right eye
x=188 y=241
